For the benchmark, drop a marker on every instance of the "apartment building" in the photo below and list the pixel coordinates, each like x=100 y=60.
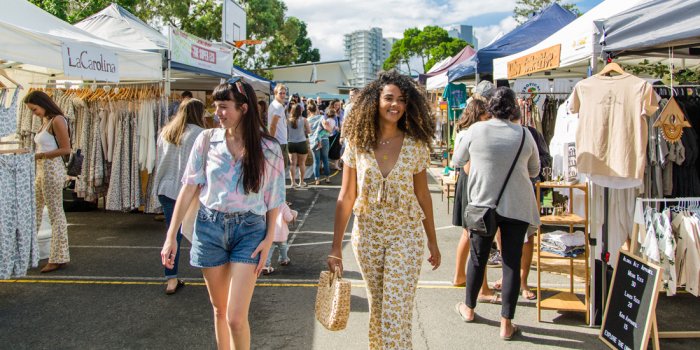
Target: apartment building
x=367 y=50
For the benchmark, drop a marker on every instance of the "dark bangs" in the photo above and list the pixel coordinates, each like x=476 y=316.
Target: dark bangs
x=223 y=93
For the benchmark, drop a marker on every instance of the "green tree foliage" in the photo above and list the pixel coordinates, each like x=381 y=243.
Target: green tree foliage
x=525 y=8
x=431 y=45
x=285 y=39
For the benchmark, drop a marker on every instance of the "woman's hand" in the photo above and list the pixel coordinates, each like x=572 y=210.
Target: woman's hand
x=263 y=249
x=335 y=260
x=167 y=254
x=435 y=257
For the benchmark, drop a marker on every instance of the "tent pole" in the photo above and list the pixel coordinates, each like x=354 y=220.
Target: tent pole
x=168 y=56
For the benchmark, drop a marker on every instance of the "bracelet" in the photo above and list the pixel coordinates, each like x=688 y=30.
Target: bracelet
x=335 y=257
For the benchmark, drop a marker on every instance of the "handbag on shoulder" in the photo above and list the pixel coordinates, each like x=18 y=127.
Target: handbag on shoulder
x=74 y=167
x=333 y=301
x=481 y=220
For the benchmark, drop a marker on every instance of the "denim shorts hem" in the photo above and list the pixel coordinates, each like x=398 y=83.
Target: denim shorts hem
x=244 y=261
x=206 y=266
x=171 y=276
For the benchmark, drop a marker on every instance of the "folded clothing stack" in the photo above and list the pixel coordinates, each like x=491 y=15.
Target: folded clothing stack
x=563 y=243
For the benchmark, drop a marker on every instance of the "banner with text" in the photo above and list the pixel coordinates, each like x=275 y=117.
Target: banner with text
x=196 y=52
x=89 y=62
x=535 y=62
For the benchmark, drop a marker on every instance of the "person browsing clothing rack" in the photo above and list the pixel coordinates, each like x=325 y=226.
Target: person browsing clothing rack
x=52 y=142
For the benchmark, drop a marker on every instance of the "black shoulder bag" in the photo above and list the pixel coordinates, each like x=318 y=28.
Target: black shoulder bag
x=73 y=161
x=481 y=220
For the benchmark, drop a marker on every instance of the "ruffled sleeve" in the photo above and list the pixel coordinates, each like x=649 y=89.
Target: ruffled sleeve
x=350 y=156
x=422 y=157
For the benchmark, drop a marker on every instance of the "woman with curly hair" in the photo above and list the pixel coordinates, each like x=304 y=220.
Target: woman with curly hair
x=385 y=185
x=494 y=147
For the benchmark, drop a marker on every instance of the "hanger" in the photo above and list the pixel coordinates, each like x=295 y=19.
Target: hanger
x=4 y=74
x=610 y=68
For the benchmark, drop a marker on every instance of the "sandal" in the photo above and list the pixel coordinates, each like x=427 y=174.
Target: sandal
x=180 y=284
x=268 y=270
x=458 y=310
x=490 y=299
x=285 y=262
x=515 y=332
x=498 y=285
x=528 y=294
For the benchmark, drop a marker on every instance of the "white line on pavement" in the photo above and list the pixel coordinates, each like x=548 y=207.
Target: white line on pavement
x=302 y=221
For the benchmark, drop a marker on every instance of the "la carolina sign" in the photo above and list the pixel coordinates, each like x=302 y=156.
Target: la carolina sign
x=89 y=62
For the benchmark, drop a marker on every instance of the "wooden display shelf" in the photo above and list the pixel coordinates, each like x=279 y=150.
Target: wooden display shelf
x=563 y=301
x=548 y=255
x=551 y=184
x=564 y=219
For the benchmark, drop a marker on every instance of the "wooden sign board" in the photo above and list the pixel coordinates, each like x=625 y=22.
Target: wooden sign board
x=629 y=314
x=535 y=62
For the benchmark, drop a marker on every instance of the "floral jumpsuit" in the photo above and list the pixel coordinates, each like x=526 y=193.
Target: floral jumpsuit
x=388 y=240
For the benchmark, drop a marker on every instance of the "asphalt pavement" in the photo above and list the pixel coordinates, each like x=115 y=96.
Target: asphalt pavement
x=111 y=295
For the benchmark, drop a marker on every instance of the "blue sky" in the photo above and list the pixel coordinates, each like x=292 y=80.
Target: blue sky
x=328 y=20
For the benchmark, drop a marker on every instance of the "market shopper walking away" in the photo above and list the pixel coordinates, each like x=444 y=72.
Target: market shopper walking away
x=286 y=215
x=237 y=175
x=493 y=147
x=475 y=112
x=385 y=185
x=297 y=131
x=174 y=146
x=52 y=142
x=318 y=141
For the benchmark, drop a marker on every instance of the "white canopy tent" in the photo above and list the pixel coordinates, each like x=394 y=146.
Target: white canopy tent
x=32 y=41
x=578 y=40
x=120 y=26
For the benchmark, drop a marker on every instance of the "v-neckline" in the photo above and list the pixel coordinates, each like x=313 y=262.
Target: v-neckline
x=376 y=162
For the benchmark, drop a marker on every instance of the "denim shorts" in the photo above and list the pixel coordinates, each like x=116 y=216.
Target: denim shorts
x=220 y=238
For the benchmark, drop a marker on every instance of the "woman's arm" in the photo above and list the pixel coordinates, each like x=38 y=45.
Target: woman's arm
x=343 y=210
x=533 y=163
x=461 y=155
x=187 y=194
x=59 y=127
x=420 y=188
x=307 y=127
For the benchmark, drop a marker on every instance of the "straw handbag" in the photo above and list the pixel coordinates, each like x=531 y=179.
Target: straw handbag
x=333 y=301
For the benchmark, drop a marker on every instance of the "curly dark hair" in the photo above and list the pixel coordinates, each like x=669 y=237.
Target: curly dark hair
x=470 y=115
x=503 y=104
x=361 y=127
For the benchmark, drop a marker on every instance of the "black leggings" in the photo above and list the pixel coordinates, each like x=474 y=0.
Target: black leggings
x=512 y=239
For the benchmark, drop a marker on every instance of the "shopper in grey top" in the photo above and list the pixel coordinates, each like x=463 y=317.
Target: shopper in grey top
x=492 y=146
x=174 y=146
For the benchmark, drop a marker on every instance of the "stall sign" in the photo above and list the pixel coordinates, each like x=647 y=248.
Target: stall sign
x=89 y=62
x=629 y=314
x=535 y=62
x=196 y=52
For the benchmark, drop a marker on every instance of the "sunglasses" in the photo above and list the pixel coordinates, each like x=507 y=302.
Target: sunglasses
x=238 y=83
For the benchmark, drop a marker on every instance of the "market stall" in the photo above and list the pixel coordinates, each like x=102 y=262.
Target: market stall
x=38 y=48
x=116 y=24
x=526 y=35
x=666 y=33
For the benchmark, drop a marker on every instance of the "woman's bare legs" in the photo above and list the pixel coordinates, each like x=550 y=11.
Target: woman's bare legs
x=301 y=161
x=293 y=168
x=230 y=289
x=240 y=294
x=218 y=280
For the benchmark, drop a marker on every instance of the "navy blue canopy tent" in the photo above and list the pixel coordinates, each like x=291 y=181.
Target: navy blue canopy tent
x=528 y=34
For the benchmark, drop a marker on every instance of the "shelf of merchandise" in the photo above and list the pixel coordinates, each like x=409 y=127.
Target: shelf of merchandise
x=563 y=300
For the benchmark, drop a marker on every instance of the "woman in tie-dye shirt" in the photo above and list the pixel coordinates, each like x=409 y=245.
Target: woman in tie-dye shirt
x=237 y=174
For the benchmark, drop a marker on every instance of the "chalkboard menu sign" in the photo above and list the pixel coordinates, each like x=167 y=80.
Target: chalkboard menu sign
x=631 y=303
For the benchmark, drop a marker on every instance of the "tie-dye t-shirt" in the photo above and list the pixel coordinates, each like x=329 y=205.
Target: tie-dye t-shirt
x=222 y=185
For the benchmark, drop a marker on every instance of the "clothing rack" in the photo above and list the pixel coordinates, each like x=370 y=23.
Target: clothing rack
x=633 y=249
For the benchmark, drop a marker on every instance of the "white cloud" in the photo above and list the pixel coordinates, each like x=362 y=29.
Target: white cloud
x=487 y=34
x=327 y=21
